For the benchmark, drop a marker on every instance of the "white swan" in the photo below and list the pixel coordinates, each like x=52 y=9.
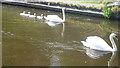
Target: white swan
x=98 y=43
x=56 y=18
x=40 y=17
x=95 y=54
x=33 y=16
x=23 y=13
x=27 y=15
x=52 y=24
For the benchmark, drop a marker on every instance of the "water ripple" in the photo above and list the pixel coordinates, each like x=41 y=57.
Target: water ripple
x=7 y=33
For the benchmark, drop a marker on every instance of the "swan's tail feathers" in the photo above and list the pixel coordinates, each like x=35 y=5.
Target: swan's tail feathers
x=84 y=43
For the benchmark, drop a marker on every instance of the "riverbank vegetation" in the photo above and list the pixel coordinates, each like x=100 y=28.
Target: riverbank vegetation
x=109 y=8
x=88 y=1
x=110 y=11
x=106 y=11
x=98 y=6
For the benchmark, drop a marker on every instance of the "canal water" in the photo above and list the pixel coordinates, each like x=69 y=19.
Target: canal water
x=32 y=42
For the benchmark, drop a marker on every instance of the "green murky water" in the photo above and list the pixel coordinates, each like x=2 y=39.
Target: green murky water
x=32 y=42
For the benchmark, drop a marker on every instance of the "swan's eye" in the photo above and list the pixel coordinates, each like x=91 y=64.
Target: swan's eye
x=116 y=36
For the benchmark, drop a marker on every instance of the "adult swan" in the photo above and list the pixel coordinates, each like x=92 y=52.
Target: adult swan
x=56 y=18
x=98 y=43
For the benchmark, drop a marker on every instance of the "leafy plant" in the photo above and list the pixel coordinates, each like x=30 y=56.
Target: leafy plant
x=115 y=9
x=106 y=11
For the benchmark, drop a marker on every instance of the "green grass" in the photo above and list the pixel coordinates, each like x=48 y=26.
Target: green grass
x=87 y=1
x=91 y=1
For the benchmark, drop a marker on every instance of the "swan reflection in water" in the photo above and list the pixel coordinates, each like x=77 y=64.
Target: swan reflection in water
x=95 y=54
x=53 y=24
x=54 y=58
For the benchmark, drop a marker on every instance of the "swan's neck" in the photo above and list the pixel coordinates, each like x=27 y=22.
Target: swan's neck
x=34 y=14
x=113 y=43
x=23 y=11
x=63 y=12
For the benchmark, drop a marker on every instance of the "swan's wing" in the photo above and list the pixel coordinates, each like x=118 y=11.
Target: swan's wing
x=97 y=43
x=54 y=18
x=51 y=24
x=21 y=14
x=39 y=17
x=85 y=44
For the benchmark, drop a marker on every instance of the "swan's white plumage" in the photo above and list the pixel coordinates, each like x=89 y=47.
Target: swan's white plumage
x=27 y=15
x=32 y=16
x=40 y=17
x=97 y=43
x=52 y=24
x=23 y=13
x=56 y=18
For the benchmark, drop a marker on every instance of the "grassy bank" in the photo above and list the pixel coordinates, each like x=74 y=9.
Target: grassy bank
x=94 y=5
x=81 y=1
x=88 y=1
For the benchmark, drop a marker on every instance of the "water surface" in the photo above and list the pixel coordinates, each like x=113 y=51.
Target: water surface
x=33 y=42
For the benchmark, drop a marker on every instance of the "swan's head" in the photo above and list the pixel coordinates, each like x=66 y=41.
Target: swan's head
x=28 y=12
x=113 y=35
x=41 y=15
x=23 y=11
x=34 y=14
